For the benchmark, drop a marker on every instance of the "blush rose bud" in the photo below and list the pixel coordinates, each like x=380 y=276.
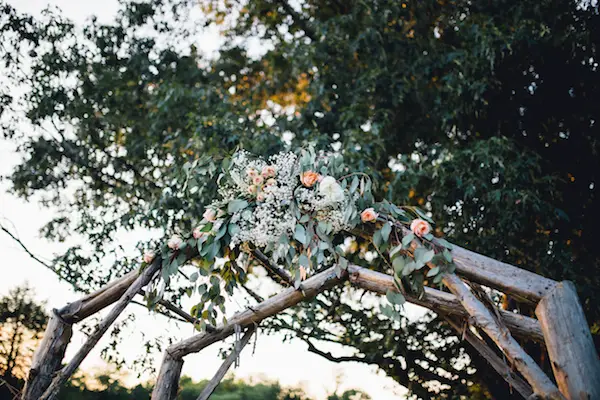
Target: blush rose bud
x=210 y=215
x=149 y=256
x=257 y=180
x=197 y=233
x=420 y=227
x=260 y=197
x=369 y=215
x=268 y=171
x=175 y=242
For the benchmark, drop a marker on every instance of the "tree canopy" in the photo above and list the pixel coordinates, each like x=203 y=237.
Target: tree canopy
x=482 y=114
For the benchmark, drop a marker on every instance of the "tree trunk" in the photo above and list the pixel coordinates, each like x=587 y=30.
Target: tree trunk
x=570 y=346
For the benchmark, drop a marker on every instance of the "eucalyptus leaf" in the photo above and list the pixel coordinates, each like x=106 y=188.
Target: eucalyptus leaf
x=395 y=297
x=236 y=205
x=386 y=229
x=407 y=239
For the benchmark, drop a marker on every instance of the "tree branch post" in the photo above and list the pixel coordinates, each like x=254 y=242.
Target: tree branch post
x=570 y=346
x=214 y=382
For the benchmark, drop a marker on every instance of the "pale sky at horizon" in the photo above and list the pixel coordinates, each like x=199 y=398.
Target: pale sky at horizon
x=289 y=363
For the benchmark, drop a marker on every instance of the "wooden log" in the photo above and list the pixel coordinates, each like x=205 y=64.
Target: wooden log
x=100 y=299
x=570 y=346
x=48 y=357
x=281 y=301
x=498 y=364
x=485 y=320
x=141 y=281
x=441 y=302
x=214 y=382
x=167 y=383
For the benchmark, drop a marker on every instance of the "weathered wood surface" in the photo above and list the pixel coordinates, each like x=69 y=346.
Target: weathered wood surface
x=235 y=353
x=570 y=346
x=501 y=276
x=442 y=302
x=100 y=299
x=492 y=358
x=141 y=281
x=48 y=357
x=167 y=383
x=285 y=299
x=483 y=318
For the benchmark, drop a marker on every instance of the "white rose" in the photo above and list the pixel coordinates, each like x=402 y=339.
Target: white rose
x=331 y=189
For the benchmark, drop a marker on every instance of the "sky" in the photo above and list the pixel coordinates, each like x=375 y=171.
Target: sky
x=289 y=363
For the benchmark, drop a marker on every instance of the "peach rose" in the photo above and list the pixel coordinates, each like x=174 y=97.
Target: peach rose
x=260 y=197
x=268 y=171
x=271 y=182
x=175 y=242
x=210 y=215
x=252 y=189
x=149 y=256
x=258 y=180
x=309 y=178
x=369 y=215
x=420 y=227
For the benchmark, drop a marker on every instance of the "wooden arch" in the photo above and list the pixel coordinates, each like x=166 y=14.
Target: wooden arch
x=560 y=325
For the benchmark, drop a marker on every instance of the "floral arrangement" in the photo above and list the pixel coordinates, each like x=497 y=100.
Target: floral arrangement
x=298 y=208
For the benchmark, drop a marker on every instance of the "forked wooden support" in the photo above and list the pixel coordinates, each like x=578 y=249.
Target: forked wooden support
x=484 y=319
x=142 y=280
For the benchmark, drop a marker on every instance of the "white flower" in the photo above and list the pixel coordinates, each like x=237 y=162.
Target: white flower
x=331 y=190
x=175 y=242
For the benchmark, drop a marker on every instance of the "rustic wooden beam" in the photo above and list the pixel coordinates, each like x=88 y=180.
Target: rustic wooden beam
x=141 y=281
x=507 y=278
x=98 y=300
x=570 y=346
x=285 y=299
x=48 y=357
x=483 y=318
x=441 y=302
x=235 y=353
x=167 y=383
x=492 y=358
